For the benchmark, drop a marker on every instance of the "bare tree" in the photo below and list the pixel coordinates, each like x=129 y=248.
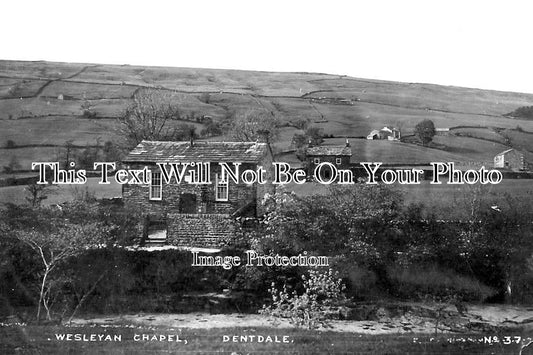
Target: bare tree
x=254 y=124
x=37 y=193
x=69 y=147
x=399 y=125
x=148 y=117
x=56 y=247
x=87 y=109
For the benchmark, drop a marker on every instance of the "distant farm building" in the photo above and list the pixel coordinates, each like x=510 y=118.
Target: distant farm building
x=392 y=134
x=510 y=159
x=442 y=131
x=339 y=156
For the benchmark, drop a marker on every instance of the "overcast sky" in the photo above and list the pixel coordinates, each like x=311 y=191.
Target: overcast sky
x=483 y=44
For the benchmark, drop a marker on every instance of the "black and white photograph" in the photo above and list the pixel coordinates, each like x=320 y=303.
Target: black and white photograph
x=266 y=177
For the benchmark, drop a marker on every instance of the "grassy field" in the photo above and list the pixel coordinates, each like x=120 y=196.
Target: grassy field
x=43 y=340
x=392 y=152
x=471 y=149
x=86 y=91
x=521 y=140
x=439 y=198
x=62 y=193
x=448 y=201
x=480 y=133
x=56 y=130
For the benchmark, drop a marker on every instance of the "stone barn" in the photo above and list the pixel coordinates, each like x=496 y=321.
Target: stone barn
x=189 y=214
x=510 y=159
x=391 y=134
x=339 y=156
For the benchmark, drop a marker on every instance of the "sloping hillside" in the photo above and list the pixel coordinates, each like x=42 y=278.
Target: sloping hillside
x=42 y=105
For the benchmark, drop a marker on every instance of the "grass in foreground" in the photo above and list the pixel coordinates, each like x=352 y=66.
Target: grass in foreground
x=35 y=339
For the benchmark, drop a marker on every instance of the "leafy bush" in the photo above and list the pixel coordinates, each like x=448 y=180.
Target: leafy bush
x=185 y=132
x=417 y=282
x=87 y=109
x=312 y=135
x=361 y=282
x=10 y=144
x=112 y=152
x=12 y=166
x=337 y=223
x=522 y=112
x=119 y=276
x=425 y=131
x=312 y=309
x=85 y=158
x=205 y=98
x=366 y=225
x=211 y=129
x=522 y=285
x=257 y=280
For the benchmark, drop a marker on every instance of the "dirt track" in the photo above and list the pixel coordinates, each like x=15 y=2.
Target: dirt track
x=477 y=319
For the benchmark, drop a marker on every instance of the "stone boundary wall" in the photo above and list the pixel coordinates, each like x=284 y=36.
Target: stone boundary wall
x=200 y=230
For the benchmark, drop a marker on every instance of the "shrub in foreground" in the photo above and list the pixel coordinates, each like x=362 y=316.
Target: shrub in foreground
x=419 y=282
x=322 y=292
